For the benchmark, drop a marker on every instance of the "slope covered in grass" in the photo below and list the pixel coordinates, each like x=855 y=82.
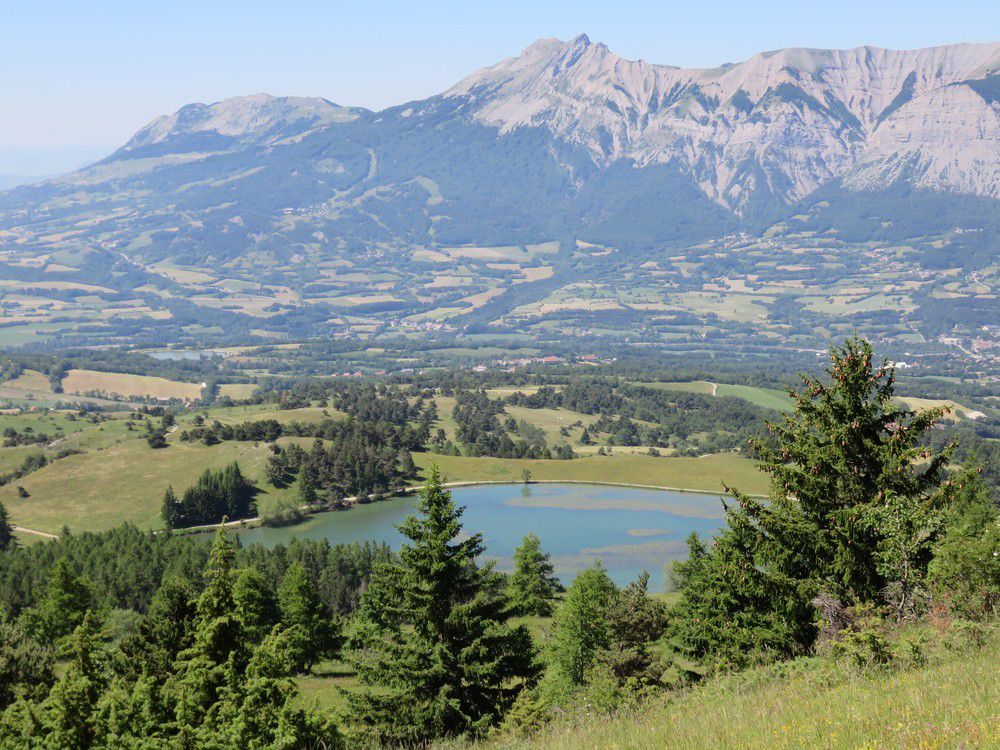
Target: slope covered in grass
x=809 y=703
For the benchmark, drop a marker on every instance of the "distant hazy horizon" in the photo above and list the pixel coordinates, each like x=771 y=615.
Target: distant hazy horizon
x=78 y=80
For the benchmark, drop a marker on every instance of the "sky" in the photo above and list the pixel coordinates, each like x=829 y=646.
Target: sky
x=78 y=78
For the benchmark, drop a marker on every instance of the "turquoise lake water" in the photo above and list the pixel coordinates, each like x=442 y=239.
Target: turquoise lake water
x=628 y=530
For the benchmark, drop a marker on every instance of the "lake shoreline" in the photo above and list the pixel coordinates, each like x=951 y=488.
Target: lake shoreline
x=351 y=502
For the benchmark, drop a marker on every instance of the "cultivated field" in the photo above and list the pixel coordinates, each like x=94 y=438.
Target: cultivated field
x=128 y=385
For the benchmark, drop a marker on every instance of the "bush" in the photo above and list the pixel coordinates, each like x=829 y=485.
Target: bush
x=285 y=513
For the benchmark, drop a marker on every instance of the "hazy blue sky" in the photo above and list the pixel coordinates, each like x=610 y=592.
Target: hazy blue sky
x=77 y=78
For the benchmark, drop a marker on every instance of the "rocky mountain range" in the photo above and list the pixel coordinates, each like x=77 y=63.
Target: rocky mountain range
x=749 y=137
x=565 y=143
x=782 y=123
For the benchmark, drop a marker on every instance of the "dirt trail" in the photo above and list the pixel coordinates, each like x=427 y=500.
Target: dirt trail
x=46 y=534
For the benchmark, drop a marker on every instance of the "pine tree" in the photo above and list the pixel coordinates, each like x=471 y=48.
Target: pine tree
x=170 y=511
x=406 y=466
x=7 y=538
x=301 y=606
x=164 y=631
x=855 y=507
x=532 y=587
x=256 y=604
x=202 y=668
x=635 y=620
x=67 y=599
x=432 y=643
x=580 y=628
x=69 y=710
x=307 y=490
x=263 y=703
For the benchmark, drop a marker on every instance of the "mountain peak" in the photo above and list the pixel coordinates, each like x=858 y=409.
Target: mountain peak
x=739 y=128
x=240 y=118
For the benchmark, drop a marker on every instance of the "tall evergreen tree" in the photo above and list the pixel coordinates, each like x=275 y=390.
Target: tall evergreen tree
x=164 y=631
x=580 y=628
x=69 y=710
x=635 y=620
x=301 y=606
x=532 y=586
x=855 y=506
x=67 y=599
x=169 y=511
x=201 y=669
x=432 y=644
x=256 y=604
x=7 y=538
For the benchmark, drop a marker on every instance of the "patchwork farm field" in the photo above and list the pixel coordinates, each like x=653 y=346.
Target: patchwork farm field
x=86 y=382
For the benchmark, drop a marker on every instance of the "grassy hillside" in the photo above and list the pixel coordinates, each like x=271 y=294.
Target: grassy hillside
x=809 y=703
x=770 y=398
x=705 y=474
x=118 y=478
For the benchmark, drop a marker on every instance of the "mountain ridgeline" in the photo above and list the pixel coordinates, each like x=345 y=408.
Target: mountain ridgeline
x=564 y=137
x=565 y=143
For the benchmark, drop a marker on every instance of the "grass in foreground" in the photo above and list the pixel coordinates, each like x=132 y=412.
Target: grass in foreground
x=815 y=704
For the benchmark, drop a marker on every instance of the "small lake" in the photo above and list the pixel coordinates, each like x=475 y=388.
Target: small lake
x=628 y=530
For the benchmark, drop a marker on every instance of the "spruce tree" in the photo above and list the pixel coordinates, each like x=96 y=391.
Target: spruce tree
x=69 y=711
x=307 y=490
x=256 y=604
x=432 y=644
x=301 y=606
x=7 y=538
x=164 y=631
x=855 y=507
x=170 y=511
x=580 y=628
x=67 y=599
x=217 y=638
x=532 y=587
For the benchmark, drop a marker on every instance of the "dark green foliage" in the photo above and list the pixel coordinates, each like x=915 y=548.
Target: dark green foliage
x=636 y=621
x=25 y=663
x=676 y=417
x=164 y=631
x=532 y=587
x=855 y=507
x=481 y=433
x=965 y=572
x=256 y=603
x=432 y=644
x=194 y=674
x=338 y=572
x=157 y=439
x=7 y=539
x=730 y=611
x=170 y=511
x=216 y=495
x=67 y=599
x=581 y=629
x=301 y=608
